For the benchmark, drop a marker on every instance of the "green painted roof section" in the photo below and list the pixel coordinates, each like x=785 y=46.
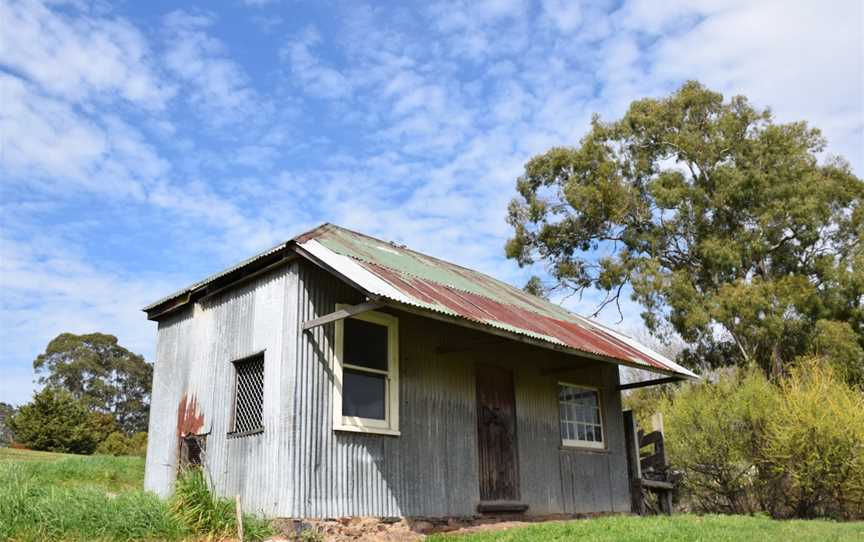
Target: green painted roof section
x=398 y=257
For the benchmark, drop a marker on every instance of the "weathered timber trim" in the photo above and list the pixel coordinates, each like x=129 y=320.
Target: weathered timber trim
x=212 y=290
x=492 y=507
x=341 y=314
x=219 y=284
x=646 y=383
x=634 y=470
x=168 y=306
x=658 y=484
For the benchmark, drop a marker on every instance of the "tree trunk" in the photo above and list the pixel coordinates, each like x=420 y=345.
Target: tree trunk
x=776 y=362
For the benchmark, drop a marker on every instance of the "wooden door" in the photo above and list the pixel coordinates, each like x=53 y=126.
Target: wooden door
x=496 y=435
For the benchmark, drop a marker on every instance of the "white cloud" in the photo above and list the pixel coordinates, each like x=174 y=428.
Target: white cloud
x=567 y=16
x=805 y=60
x=79 y=57
x=313 y=76
x=46 y=142
x=49 y=289
x=219 y=87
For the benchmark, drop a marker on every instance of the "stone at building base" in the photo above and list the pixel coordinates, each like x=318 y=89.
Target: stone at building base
x=393 y=529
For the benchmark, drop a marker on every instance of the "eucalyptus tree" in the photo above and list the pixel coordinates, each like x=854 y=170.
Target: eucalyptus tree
x=733 y=230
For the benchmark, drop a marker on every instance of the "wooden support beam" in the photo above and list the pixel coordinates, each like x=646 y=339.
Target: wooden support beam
x=341 y=314
x=647 y=383
x=634 y=470
x=658 y=484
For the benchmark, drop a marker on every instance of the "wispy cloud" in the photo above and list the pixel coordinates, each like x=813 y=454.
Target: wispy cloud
x=80 y=58
x=219 y=88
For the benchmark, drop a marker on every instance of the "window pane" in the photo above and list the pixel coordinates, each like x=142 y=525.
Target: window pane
x=579 y=410
x=365 y=344
x=363 y=394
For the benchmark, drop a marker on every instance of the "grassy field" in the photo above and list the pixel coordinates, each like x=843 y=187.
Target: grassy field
x=678 y=528
x=54 y=497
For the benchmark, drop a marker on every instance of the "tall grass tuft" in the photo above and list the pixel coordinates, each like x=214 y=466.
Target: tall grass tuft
x=77 y=499
x=32 y=510
x=206 y=514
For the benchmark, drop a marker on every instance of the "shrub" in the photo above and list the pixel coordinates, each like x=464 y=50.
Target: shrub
x=644 y=402
x=714 y=432
x=6 y=413
x=815 y=445
x=55 y=422
x=837 y=344
x=118 y=443
x=793 y=449
x=138 y=444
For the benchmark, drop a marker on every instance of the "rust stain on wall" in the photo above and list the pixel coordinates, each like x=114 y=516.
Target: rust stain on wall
x=189 y=420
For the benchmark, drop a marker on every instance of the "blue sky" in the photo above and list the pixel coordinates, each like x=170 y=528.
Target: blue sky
x=144 y=145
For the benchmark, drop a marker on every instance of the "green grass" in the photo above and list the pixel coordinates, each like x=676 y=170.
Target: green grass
x=679 y=528
x=59 y=497
x=105 y=472
x=54 y=497
x=13 y=454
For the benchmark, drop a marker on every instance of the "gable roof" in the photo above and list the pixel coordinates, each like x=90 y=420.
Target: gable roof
x=405 y=278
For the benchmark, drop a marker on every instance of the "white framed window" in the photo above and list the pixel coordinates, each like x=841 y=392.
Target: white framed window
x=581 y=416
x=366 y=374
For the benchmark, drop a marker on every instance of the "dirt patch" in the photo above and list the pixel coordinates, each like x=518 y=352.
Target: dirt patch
x=404 y=529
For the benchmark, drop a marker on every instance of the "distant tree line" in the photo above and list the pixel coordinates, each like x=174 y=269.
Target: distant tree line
x=95 y=398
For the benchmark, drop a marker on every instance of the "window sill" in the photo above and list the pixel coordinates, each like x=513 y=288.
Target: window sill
x=367 y=430
x=583 y=449
x=246 y=433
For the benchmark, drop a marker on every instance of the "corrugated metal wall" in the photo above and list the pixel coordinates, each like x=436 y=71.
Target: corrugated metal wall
x=193 y=362
x=300 y=467
x=431 y=469
x=421 y=472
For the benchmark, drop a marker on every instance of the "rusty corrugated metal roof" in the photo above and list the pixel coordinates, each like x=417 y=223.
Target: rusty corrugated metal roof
x=399 y=274
x=402 y=275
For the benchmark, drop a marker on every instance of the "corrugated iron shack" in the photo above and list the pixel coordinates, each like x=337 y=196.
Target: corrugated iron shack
x=340 y=375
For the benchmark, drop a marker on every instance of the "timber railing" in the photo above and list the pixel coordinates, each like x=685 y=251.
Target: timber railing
x=648 y=471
